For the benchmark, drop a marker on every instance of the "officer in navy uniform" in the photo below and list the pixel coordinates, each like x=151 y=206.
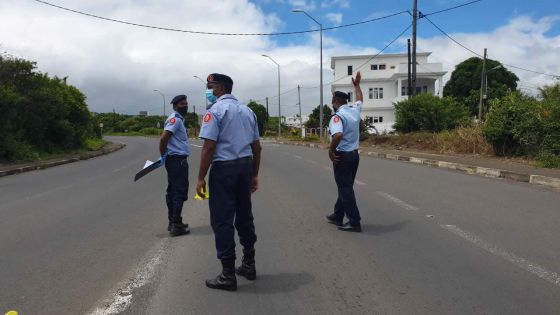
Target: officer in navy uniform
x=344 y=128
x=232 y=148
x=174 y=150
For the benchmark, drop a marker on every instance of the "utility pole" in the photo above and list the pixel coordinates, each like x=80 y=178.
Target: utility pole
x=299 y=104
x=114 y=119
x=414 y=29
x=482 y=75
x=409 y=87
x=267 y=106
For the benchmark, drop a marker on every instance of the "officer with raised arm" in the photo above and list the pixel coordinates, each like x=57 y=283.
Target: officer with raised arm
x=344 y=129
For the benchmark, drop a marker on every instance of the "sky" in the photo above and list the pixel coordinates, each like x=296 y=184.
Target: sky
x=119 y=66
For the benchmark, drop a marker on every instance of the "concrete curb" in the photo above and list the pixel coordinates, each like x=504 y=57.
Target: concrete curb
x=44 y=165
x=551 y=182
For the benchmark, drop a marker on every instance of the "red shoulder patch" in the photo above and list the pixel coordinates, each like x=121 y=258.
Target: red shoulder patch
x=336 y=119
x=207 y=118
x=172 y=120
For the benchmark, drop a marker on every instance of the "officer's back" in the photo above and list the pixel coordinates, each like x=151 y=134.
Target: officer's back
x=231 y=124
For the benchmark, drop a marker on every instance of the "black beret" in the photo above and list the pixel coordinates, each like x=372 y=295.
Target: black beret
x=178 y=98
x=219 y=78
x=341 y=95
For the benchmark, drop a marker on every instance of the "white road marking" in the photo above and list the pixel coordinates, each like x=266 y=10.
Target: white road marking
x=360 y=183
x=298 y=157
x=195 y=145
x=520 y=262
x=121 y=299
x=397 y=201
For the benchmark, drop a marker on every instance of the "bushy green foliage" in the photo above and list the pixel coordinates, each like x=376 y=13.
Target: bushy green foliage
x=427 y=112
x=39 y=113
x=262 y=115
x=464 y=84
x=522 y=125
x=313 y=121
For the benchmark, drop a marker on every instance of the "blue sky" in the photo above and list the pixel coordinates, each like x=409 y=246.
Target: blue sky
x=118 y=66
x=483 y=16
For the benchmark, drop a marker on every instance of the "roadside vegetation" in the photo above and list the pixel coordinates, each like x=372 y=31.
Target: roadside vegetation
x=40 y=115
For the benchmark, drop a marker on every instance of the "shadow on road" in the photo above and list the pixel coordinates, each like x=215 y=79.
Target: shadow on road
x=204 y=230
x=380 y=229
x=278 y=283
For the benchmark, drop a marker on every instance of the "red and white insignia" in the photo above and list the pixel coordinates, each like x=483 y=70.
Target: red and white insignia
x=172 y=120
x=207 y=118
x=336 y=119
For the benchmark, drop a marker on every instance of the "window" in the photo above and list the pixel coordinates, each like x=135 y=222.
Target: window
x=382 y=67
x=349 y=70
x=377 y=119
x=425 y=89
x=370 y=93
x=350 y=97
x=378 y=93
x=373 y=67
x=403 y=90
x=369 y=119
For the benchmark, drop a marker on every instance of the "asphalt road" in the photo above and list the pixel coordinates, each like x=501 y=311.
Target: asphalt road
x=83 y=238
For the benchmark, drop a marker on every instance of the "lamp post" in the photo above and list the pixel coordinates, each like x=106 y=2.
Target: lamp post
x=162 y=96
x=321 y=75
x=279 y=111
x=204 y=83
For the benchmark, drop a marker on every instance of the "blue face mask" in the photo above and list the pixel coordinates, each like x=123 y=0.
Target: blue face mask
x=210 y=96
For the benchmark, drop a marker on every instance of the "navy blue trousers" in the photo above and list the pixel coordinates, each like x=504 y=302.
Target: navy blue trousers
x=177 y=186
x=230 y=186
x=345 y=174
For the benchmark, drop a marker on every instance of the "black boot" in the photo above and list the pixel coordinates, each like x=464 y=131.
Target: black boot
x=247 y=268
x=185 y=225
x=177 y=229
x=226 y=280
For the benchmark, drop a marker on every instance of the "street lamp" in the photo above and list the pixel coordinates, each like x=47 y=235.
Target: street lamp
x=321 y=61
x=279 y=112
x=485 y=94
x=163 y=96
x=205 y=99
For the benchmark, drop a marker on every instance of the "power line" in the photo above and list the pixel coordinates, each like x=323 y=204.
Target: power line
x=369 y=60
x=452 y=8
x=477 y=54
x=214 y=33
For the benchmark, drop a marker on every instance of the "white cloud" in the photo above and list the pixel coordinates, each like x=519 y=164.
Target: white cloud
x=522 y=42
x=338 y=3
x=303 y=4
x=335 y=18
x=120 y=66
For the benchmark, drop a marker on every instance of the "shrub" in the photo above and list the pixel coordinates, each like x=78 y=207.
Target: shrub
x=463 y=140
x=427 y=112
x=151 y=131
x=519 y=124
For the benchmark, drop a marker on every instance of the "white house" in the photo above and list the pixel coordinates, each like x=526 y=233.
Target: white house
x=384 y=82
x=294 y=121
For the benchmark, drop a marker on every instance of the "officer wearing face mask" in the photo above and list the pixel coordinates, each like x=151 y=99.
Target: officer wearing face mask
x=174 y=150
x=232 y=149
x=344 y=128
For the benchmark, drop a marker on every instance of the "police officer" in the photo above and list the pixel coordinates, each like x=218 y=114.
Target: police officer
x=232 y=147
x=174 y=150
x=344 y=128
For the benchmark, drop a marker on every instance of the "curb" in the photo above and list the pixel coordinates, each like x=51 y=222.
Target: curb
x=44 y=165
x=551 y=182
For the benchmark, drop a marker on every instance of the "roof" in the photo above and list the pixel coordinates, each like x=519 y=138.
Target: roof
x=333 y=58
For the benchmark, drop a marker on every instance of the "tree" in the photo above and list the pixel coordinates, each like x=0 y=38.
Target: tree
x=427 y=112
x=550 y=92
x=464 y=84
x=262 y=115
x=313 y=121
